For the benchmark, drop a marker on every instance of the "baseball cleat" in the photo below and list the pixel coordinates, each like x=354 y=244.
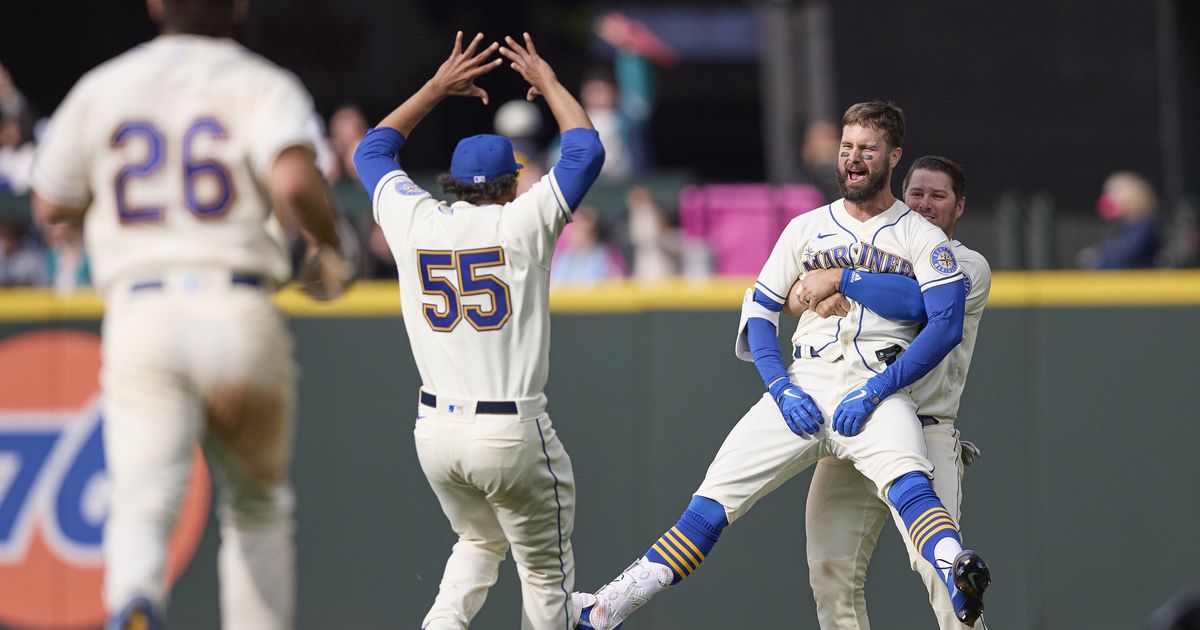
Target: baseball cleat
x=971 y=578
x=138 y=614
x=582 y=605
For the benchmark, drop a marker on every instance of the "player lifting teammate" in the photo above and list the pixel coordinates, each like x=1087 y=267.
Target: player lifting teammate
x=862 y=360
x=168 y=154
x=844 y=516
x=474 y=287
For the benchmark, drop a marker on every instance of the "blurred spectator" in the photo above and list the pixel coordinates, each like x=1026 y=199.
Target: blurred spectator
x=67 y=266
x=16 y=157
x=521 y=122
x=821 y=142
x=16 y=135
x=635 y=46
x=13 y=104
x=1130 y=199
x=598 y=94
x=379 y=263
x=22 y=262
x=347 y=126
x=656 y=244
x=583 y=255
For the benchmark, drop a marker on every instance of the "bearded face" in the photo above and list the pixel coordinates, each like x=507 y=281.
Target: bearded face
x=864 y=169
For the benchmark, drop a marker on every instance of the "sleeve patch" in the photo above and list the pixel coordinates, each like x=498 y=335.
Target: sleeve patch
x=407 y=187
x=943 y=260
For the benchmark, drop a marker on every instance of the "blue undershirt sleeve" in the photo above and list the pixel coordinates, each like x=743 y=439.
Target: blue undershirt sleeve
x=762 y=336
x=889 y=294
x=376 y=156
x=577 y=169
x=946 y=305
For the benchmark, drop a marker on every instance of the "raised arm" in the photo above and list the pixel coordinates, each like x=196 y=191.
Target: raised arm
x=525 y=60
x=376 y=154
x=582 y=153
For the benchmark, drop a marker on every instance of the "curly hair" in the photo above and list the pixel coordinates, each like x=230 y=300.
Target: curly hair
x=498 y=188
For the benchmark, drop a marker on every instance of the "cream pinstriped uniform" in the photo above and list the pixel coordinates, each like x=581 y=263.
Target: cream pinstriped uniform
x=170 y=143
x=474 y=290
x=844 y=515
x=761 y=453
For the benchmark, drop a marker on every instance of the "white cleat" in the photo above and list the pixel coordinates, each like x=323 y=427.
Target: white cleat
x=617 y=600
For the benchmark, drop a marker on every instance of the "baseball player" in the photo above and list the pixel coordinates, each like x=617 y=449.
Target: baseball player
x=862 y=360
x=172 y=155
x=474 y=278
x=844 y=516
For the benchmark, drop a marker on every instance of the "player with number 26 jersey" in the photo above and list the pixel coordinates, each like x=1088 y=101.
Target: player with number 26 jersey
x=178 y=142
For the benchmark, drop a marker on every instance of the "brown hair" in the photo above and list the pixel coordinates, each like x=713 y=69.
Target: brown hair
x=474 y=193
x=939 y=164
x=883 y=115
x=214 y=18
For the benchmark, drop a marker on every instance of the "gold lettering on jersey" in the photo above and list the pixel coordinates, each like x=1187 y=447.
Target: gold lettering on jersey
x=858 y=256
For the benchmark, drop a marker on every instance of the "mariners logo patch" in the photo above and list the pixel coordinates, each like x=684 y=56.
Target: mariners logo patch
x=407 y=187
x=943 y=260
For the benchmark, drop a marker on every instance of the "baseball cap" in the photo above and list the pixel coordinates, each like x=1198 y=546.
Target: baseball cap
x=482 y=158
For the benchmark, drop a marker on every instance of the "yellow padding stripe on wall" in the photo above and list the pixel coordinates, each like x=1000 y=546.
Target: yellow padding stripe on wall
x=382 y=298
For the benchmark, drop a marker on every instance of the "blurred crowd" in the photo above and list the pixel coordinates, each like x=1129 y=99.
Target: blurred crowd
x=629 y=227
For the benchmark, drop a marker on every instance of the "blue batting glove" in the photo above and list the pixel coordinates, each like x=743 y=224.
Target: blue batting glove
x=857 y=406
x=800 y=411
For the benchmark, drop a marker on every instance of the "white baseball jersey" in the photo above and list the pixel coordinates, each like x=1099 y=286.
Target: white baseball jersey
x=168 y=142
x=939 y=393
x=897 y=240
x=474 y=285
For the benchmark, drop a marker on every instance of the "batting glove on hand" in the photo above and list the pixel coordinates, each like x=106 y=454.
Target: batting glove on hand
x=800 y=411
x=857 y=406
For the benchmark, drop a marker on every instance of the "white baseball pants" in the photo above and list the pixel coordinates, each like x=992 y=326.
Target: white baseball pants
x=843 y=520
x=502 y=480
x=200 y=358
x=761 y=453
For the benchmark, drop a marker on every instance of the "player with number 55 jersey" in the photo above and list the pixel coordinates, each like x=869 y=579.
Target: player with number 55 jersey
x=474 y=289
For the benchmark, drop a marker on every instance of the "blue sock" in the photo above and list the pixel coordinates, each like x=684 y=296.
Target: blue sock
x=928 y=523
x=684 y=546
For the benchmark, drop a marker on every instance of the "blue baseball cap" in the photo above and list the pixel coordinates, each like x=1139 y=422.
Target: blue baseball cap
x=482 y=158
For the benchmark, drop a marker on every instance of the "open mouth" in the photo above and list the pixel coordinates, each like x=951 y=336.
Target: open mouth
x=856 y=175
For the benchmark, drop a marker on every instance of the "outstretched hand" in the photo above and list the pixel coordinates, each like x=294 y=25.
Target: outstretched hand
x=526 y=61
x=456 y=76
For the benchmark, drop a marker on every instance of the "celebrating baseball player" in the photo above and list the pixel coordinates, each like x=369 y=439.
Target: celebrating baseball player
x=172 y=155
x=474 y=287
x=844 y=515
x=851 y=370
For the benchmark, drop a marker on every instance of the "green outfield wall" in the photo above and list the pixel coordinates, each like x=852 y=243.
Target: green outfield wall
x=1082 y=397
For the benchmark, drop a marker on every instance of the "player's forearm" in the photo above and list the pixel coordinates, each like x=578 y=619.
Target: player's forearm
x=889 y=294
x=762 y=336
x=567 y=111
x=405 y=117
x=299 y=192
x=946 y=308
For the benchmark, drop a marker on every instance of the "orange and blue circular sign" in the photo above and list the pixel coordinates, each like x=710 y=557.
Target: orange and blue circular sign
x=54 y=490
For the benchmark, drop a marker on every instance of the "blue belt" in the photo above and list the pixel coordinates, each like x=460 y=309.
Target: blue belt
x=506 y=407
x=245 y=279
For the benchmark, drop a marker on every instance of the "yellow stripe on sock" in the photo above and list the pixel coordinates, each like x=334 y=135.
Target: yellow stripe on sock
x=924 y=519
x=947 y=525
x=681 y=548
x=919 y=530
x=685 y=539
x=666 y=543
x=662 y=552
x=924 y=531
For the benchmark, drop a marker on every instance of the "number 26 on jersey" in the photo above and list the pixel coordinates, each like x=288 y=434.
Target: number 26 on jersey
x=452 y=276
